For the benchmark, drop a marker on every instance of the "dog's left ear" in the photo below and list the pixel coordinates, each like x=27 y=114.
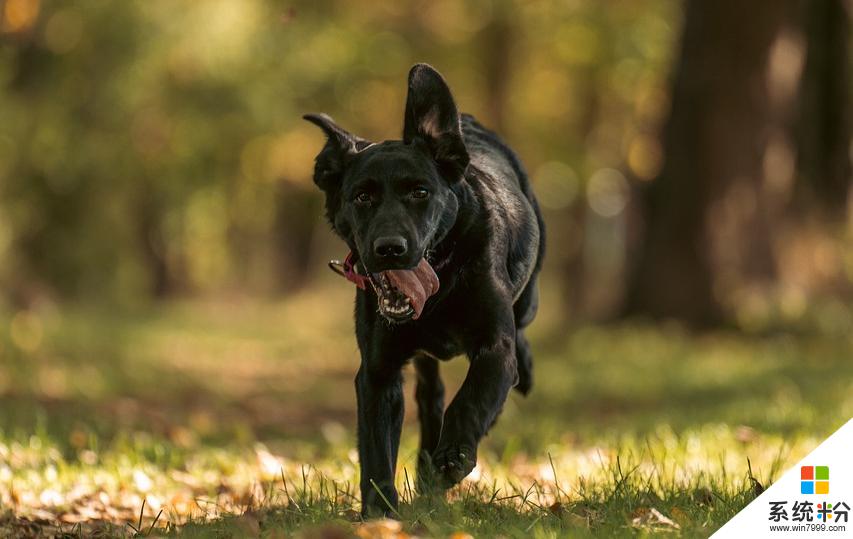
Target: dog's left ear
x=431 y=116
x=340 y=146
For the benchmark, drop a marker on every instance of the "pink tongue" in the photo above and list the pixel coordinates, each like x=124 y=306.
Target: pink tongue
x=417 y=284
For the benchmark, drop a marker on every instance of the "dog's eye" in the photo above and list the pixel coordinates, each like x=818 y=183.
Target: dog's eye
x=363 y=197
x=420 y=193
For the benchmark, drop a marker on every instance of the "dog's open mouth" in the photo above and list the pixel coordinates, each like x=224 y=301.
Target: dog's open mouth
x=393 y=303
x=402 y=294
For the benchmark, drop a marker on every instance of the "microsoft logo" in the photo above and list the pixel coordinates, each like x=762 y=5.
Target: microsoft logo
x=814 y=479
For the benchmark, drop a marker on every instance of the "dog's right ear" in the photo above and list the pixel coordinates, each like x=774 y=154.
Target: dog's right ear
x=340 y=146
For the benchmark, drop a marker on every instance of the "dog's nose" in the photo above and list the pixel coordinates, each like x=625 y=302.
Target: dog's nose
x=390 y=246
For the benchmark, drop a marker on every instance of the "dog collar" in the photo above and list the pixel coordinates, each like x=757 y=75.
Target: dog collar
x=347 y=270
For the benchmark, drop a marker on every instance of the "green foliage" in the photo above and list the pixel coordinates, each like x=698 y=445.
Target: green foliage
x=146 y=148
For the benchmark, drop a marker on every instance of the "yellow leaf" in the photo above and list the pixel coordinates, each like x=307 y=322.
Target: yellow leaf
x=379 y=529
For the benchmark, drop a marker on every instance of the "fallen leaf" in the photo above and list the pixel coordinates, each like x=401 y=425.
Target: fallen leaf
x=87 y=513
x=142 y=481
x=41 y=516
x=50 y=498
x=71 y=518
x=385 y=528
x=649 y=517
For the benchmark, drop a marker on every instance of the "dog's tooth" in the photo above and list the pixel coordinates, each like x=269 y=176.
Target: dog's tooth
x=386 y=301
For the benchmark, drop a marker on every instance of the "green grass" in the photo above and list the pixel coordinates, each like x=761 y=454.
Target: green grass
x=236 y=419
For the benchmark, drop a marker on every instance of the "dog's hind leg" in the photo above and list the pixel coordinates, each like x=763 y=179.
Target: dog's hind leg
x=429 y=394
x=524 y=311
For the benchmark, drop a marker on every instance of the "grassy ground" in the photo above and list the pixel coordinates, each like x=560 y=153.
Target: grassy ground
x=164 y=421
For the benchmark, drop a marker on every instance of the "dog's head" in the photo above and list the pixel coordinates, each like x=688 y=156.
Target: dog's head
x=392 y=201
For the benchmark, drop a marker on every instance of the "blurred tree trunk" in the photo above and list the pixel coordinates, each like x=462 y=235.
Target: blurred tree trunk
x=714 y=141
x=295 y=223
x=497 y=40
x=149 y=220
x=581 y=281
x=825 y=113
x=151 y=241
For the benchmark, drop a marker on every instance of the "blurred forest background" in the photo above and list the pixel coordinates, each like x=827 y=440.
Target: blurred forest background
x=148 y=152
x=163 y=253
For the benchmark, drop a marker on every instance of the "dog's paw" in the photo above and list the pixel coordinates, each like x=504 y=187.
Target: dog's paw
x=453 y=463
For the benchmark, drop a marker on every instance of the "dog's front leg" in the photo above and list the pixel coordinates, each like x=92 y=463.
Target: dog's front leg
x=380 y=419
x=478 y=403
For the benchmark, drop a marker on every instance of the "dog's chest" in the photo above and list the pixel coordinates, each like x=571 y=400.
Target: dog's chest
x=439 y=344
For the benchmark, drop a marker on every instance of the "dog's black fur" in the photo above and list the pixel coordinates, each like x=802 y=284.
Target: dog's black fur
x=452 y=191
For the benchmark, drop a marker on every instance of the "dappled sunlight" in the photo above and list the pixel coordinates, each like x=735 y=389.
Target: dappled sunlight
x=176 y=358
x=664 y=470
x=206 y=409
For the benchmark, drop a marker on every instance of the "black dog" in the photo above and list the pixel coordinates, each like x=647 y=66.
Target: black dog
x=451 y=198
